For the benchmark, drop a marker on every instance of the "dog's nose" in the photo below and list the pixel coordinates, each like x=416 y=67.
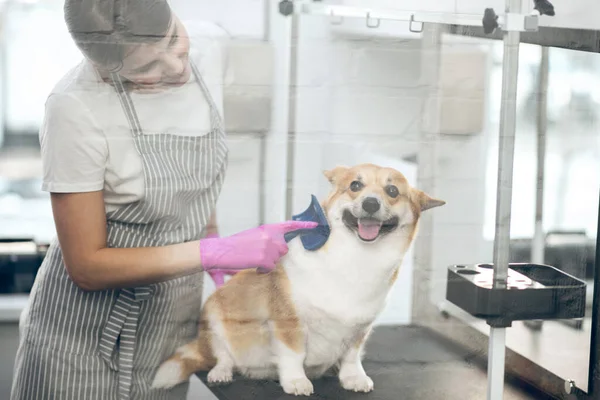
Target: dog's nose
x=371 y=205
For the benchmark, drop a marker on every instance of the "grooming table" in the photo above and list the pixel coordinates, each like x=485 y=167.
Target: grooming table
x=405 y=362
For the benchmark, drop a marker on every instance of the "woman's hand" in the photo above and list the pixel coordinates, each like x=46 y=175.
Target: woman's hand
x=218 y=275
x=260 y=247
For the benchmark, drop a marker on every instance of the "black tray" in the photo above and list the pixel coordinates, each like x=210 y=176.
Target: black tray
x=534 y=291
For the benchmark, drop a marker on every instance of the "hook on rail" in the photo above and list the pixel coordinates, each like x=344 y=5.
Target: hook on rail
x=286 y=7
x=544 y=7
x=489 y=21
x=410 y=25
x=377 y=23
x=334 y=21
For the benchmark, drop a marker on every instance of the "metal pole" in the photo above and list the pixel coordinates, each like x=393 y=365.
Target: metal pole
x=496 y=356
x=291 y=128
x=263 y=136
x=431 y=51
x=538 y=245
x=267 y=20
x=275 y=170
x=510 y=72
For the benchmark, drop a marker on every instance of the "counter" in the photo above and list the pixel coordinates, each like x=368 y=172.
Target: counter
x=11 y=306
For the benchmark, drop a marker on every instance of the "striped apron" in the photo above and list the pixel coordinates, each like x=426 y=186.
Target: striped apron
x=109 y=344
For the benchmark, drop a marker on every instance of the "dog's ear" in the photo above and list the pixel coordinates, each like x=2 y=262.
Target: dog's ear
x=334 y=175
x=426 y=202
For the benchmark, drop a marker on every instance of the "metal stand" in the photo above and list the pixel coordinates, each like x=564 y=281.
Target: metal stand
x=510 y=72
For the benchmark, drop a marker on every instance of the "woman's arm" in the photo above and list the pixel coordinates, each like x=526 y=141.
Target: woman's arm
x=80 y=222
x=81 y=229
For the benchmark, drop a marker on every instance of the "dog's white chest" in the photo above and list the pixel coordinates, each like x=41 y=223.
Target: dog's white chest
x=327 y=338
x=338 y=293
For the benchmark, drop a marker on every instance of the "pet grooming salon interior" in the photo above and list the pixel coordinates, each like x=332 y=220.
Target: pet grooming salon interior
x=449 y=151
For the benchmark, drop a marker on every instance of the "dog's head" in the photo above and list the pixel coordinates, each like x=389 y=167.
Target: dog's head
x=374 y=202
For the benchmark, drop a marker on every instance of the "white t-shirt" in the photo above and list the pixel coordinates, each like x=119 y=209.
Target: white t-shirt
x=86 y=141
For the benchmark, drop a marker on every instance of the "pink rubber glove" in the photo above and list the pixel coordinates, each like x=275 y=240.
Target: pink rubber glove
x=218 y=275
x=260 y=247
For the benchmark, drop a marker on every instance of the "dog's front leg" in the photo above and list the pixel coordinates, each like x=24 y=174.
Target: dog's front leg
x=352 y=375
x=289 y=346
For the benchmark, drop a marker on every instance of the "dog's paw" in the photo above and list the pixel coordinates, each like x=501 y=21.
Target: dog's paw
x=357 y=383
x=168 y=375
x=298 y=387
x=220 y=375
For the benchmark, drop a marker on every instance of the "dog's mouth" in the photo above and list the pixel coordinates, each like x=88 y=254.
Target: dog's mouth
x=369 y=229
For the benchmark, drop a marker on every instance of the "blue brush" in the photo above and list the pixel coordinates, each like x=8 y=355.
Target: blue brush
x=312 y=239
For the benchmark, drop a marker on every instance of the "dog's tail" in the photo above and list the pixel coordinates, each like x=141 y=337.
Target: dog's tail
x=188 y=359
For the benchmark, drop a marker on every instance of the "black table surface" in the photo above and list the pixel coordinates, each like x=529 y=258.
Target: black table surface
x=405 y=362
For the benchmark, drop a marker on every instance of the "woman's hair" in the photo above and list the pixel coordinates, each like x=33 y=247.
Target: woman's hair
x=104 y=29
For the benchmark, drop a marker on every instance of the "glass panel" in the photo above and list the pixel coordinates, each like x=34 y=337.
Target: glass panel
x=570 y=201
x=358 y=97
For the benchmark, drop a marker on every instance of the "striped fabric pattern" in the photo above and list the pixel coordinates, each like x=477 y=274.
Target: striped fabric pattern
x=108 y=344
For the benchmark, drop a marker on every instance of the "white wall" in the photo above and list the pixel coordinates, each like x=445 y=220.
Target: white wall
x=354 y=97
x=357 y=101
x=460 y=170
x=241 y=18
x=360 y=99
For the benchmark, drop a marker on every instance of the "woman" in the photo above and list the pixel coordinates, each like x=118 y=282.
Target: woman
x=134 y=157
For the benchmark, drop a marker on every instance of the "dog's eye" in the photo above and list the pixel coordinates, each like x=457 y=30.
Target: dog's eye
x=392 y=191
x=356 y=186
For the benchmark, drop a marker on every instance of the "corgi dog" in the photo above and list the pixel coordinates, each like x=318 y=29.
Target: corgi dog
x=315 y=311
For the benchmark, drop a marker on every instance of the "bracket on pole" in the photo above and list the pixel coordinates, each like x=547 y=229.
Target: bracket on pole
x=489 y=21
x=286 y=7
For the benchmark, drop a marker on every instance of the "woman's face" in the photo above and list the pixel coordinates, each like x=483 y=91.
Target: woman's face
x=161 y=64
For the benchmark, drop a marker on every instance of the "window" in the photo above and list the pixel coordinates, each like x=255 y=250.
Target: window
x=572 y=177
x=38 y=52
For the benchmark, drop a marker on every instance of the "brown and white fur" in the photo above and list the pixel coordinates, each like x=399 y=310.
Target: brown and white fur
x=316 y=309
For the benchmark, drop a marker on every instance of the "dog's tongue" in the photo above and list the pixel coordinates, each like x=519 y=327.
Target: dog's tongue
x=368 y=229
